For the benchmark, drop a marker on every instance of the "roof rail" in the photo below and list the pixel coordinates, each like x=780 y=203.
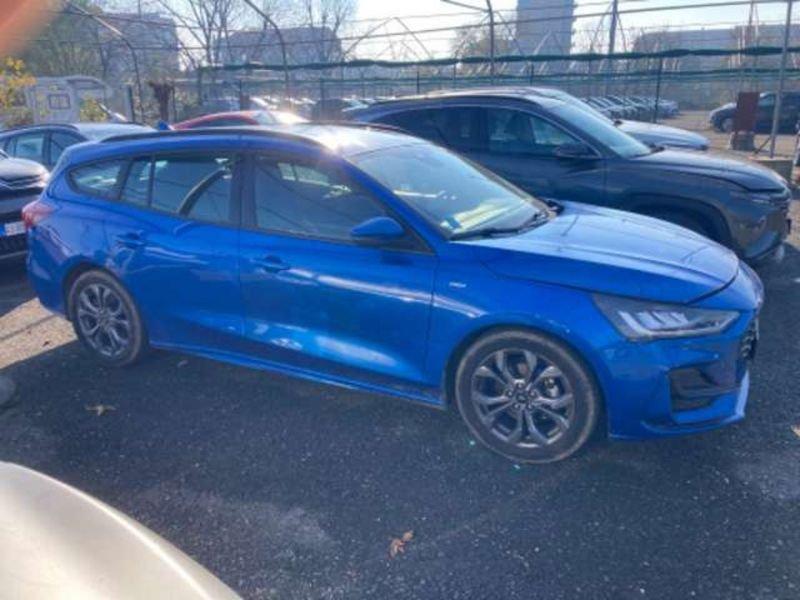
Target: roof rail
x=266 y=131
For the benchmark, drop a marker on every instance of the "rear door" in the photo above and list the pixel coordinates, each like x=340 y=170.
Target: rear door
x=173 y=238
x=315 y=298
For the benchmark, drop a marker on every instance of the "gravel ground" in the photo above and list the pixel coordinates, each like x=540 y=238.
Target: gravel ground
x=287 y=489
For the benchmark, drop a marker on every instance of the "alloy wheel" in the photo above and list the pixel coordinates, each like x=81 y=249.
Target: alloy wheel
x=103 y=320
x=522 y=398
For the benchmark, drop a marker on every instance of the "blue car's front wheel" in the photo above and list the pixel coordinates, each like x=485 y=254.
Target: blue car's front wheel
x=526 y=396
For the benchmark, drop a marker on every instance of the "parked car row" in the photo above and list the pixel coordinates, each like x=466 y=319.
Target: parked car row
x=641 y=108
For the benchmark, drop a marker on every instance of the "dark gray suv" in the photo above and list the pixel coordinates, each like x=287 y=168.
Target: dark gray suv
x=555 y=149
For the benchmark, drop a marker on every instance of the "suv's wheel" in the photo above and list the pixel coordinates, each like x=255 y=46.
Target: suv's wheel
x=106 y=320
x=526 y=396
x=726 y=125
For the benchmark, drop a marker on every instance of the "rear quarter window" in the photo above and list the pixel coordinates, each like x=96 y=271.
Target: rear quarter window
x=97 y=179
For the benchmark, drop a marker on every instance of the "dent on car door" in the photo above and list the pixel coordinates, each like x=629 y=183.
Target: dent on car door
x=316 y=299
x=173 y=240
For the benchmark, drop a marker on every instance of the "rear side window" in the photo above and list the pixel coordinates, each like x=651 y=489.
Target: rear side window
x=97 y=179
x=457 y=127
x=198 y=187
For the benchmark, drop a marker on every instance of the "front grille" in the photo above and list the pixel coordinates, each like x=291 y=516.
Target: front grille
x=12 y=244
x=21 y=183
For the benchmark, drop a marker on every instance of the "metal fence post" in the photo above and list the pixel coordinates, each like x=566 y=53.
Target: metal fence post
x=658 y=88
x=418 y=89
x=776 y=112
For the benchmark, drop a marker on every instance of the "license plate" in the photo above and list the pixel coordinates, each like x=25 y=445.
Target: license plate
x=15 y=228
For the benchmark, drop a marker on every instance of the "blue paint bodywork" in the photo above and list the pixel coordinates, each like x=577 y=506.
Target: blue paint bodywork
x=394 y=321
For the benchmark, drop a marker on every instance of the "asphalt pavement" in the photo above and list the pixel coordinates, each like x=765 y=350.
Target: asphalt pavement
x=287 y=489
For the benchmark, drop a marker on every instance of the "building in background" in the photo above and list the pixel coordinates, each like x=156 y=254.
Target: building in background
x=303 y=45
x=545 y=26
x=155 y=38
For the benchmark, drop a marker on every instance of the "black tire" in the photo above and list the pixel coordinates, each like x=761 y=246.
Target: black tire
x=726 y=125
x=116 y=320
x=559 y=441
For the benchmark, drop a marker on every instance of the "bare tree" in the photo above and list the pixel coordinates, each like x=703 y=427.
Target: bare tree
x=328 y=17
x=207 y=25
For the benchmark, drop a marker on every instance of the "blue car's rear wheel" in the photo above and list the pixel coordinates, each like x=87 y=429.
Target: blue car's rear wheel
x=106 y=320
x=526 y=396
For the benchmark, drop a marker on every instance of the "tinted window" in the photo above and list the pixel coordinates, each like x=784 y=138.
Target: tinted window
x=31 y=146
x=305 y=199
x=179 y=182
x=137 y=185
x=601 y=130
x=516 y=132
x=97 y=179
x=458 y=127
x=58 y=143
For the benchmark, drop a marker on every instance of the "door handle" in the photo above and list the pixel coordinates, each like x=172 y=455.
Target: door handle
x=130 y=240
x=271 y=264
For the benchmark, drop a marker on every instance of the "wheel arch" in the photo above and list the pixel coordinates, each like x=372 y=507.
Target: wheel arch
x=708 y=216
x=74 y=272
x=455 y=356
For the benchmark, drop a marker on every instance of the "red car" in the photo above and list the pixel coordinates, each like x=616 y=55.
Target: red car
x=241 y=117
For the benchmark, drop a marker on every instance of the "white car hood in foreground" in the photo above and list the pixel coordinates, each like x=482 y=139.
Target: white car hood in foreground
x=57 y=542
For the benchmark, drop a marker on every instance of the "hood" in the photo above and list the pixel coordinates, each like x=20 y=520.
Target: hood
x=652 y=133
x=613 y=252
x=724 y=108
x=19 y=173
x=748 y=175
x=59 y=542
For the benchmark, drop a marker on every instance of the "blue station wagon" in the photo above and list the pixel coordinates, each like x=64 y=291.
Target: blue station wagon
x=371 y=259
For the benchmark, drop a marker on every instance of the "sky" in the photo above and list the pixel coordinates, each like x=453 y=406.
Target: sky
x=429 y=14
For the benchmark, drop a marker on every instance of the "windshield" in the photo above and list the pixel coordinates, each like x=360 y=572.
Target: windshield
x=451 y=193
x=601 y=130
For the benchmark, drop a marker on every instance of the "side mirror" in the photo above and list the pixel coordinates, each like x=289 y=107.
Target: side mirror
x=378 y=229
x=575 y=150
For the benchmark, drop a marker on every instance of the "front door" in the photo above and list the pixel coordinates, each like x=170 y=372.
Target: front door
x=315 y=299
x=521 y=147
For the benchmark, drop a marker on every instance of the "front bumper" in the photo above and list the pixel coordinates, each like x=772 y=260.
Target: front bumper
x=678 y=386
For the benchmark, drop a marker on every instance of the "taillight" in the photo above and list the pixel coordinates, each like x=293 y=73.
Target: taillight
x=34 y=213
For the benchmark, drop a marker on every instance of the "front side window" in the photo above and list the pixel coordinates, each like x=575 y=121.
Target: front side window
x=30 y=146
x=59 y=142
x=309 y=199
x=601 y=130
x=453 y=194
x=97 y=179
x=517 y=132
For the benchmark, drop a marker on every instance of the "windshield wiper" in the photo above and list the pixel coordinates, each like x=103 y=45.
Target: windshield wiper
x=535 y=220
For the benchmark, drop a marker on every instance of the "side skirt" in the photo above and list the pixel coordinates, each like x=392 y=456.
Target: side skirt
x=427 y=398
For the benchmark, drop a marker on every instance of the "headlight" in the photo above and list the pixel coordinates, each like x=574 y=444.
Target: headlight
x=642 y=320
x=771 y=198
